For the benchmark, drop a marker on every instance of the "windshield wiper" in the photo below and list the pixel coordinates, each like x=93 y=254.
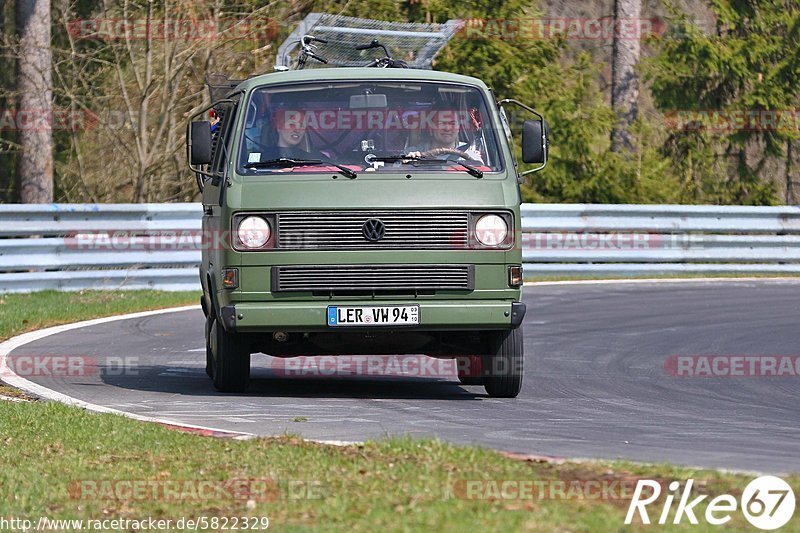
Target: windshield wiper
x=289 y=162
x=478 y=173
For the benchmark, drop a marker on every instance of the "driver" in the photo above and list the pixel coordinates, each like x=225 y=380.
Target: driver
x=444 y=134
x=292 y=138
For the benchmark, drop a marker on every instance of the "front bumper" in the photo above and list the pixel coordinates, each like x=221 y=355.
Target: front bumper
x=312 y=316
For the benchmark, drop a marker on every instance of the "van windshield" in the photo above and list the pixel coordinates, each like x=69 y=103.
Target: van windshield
x=368 y=126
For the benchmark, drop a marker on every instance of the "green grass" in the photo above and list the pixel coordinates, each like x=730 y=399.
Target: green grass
x=52 y=455
x=402 y=484
x=7 y=391
x=25 y=312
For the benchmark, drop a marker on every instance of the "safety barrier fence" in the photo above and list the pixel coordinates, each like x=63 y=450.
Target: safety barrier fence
x=135 y=246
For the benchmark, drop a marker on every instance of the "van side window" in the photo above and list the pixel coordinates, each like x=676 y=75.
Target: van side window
x=220 y=137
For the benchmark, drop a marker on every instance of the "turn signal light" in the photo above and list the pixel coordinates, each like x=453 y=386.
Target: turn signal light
x=515 y=276
x=230 y=278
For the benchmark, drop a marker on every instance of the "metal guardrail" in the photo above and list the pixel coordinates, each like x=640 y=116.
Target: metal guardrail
x=624 y=240
x=661 y=218
x=55 y=246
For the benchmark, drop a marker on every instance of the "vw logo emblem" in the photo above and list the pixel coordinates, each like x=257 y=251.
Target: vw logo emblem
x=373 y=229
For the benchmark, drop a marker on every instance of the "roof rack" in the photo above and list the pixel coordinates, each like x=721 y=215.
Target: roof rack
x=220 y=86
x=416 y=44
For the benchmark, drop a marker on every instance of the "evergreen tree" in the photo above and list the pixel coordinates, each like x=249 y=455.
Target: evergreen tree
x=730 y=96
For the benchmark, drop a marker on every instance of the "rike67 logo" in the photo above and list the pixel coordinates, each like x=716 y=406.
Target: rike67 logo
x=767 y=502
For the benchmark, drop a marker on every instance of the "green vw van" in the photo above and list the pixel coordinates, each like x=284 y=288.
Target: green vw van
x=363 y=211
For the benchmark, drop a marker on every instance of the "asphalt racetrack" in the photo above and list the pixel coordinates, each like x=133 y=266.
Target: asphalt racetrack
x=600 y=381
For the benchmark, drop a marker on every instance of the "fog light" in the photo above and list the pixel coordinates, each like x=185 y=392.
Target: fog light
x=230 y=278
x=515 y=276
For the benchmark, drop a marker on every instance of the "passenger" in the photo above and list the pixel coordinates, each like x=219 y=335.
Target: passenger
x=285 y=136
x=292 y=137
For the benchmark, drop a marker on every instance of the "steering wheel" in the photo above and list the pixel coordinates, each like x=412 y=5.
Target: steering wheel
x=442 y=151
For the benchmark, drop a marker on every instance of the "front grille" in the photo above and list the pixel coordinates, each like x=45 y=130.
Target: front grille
x=359 y=278
x=337 y=230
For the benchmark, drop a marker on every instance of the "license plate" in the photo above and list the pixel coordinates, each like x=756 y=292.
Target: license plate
x=385 y=315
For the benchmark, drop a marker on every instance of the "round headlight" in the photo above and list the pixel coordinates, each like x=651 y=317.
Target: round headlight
x=491 y=230
x=253 y=232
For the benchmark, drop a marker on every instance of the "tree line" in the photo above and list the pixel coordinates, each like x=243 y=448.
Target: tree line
x=653 y=105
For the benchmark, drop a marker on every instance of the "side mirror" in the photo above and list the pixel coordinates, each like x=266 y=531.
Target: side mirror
x=535 y=141
x=200 y=143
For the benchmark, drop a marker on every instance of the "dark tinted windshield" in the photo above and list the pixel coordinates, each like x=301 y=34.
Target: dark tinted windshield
x=356 y=123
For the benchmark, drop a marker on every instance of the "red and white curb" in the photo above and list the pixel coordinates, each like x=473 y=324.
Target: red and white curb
x=12 y=378
x=12 y=399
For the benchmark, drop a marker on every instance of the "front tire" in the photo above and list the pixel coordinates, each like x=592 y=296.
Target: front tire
x=504 y=364
x=209 y=355
x=230 y=359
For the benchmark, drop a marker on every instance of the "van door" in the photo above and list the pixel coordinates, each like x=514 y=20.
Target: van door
x=213 y=193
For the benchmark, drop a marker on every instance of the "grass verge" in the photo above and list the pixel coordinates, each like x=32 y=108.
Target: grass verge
x=71 y=464
x=66 y=463
x=25 y=312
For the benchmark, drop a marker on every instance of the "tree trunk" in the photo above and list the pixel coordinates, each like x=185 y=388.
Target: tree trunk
x=8 y=178
x=624 y=80
x=790 y=195
x=35 y=96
